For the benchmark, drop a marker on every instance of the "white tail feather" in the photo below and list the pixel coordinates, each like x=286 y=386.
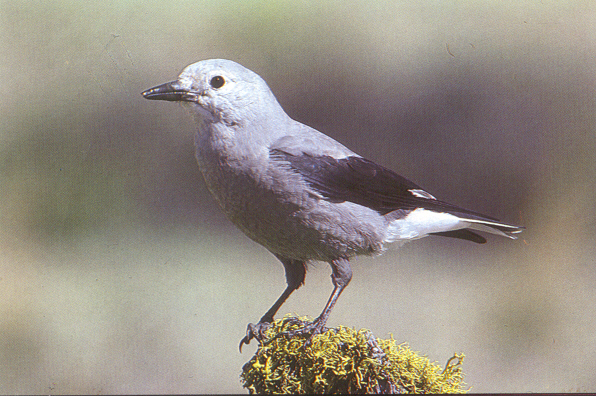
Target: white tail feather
x=421 y=222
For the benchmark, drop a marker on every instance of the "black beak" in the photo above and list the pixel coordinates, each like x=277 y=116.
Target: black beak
x=170 y=91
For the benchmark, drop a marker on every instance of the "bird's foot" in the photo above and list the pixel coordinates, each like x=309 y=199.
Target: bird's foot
x=308 y=329
x=254 y=331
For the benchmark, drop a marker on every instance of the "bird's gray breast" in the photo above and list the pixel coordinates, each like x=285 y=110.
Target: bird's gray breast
x=274 y=205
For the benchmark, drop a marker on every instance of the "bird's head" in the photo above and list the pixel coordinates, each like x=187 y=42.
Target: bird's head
x=219 y=90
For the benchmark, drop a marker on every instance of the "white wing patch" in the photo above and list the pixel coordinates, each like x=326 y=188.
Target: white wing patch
x=421 y=194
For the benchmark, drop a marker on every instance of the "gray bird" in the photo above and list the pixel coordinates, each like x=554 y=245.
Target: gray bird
x=298 y=192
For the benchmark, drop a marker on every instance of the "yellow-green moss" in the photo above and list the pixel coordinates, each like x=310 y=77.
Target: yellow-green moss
x=343 y=360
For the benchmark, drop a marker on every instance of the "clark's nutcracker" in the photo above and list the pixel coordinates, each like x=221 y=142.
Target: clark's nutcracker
x=296 y=191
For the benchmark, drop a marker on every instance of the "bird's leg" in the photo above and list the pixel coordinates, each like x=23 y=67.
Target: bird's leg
x=257 y=331
x=295 y=273
x=341 y=276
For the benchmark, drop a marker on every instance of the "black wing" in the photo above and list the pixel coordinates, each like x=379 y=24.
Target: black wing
x=358 y=180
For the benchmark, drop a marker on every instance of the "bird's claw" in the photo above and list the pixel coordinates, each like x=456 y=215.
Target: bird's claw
x=254 y=331
x=309 y=329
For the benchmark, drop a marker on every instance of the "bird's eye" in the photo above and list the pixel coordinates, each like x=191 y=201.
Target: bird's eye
x=217 y=82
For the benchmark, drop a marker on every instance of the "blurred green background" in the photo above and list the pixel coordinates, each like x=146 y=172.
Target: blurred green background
x=119 y=274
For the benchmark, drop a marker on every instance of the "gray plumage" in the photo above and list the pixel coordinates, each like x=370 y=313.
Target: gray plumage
x=296 y=191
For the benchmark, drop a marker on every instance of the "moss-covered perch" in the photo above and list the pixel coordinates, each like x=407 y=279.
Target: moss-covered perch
x=344 y=360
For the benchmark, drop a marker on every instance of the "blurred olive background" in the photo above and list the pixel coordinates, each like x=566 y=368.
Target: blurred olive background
x=119 y=274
